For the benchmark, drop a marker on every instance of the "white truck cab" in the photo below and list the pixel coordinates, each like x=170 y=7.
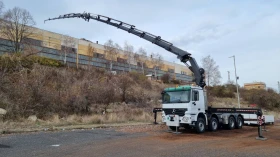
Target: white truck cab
x=185 y=101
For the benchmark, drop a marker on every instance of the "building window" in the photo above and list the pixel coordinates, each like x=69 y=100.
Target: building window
x=171 y=70
x=34 y=42
x=157 y=67
x=68 y=49
x=98 y=55
x=183 y=73
x=121 y=60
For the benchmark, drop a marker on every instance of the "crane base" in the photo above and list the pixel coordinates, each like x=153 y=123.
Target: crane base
x=261 y=138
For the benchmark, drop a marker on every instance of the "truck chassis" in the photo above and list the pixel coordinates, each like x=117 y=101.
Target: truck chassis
x=214 y=118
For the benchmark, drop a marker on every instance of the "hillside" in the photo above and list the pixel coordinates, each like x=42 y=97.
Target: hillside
x=54 y=93
x=47 y=89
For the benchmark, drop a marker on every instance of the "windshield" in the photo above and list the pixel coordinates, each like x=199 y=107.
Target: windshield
x=176 y=97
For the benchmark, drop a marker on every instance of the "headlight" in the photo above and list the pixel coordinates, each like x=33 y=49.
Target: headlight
x=185 y=119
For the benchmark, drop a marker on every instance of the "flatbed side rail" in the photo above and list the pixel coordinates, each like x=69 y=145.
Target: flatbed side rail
x=235 y=110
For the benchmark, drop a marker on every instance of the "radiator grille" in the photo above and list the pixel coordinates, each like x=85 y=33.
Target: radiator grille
x=180 y=112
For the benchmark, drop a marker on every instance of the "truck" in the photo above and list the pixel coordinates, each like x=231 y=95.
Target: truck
x=184 y=106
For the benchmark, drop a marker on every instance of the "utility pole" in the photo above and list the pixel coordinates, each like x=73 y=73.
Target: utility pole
x=236 y=81
x=228 y=76
x=278 y=87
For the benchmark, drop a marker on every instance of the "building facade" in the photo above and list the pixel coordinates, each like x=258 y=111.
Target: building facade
x=53 y=45
x=255 y=85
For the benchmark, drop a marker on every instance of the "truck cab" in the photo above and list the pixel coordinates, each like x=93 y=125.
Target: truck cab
x=184 y=102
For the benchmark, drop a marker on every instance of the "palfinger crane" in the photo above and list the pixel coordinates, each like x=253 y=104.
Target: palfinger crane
x=184 y=56
x=186 y=105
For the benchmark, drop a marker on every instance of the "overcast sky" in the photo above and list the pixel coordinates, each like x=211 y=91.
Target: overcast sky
x=248 y=29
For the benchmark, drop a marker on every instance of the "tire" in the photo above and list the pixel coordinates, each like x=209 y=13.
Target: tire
x=173 y=128
x=200 y=125
x=213 y=124
x=239 y=122
x=231 y=123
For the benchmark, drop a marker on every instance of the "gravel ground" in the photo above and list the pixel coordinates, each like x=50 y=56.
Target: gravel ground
x=144 y=140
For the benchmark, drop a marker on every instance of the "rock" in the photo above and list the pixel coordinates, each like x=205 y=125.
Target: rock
x=2 y=111
x=32 y=118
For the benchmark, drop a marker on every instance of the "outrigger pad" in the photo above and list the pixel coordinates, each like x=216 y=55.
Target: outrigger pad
x=261 y=138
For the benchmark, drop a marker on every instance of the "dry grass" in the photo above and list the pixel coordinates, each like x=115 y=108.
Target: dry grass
x=119 y=113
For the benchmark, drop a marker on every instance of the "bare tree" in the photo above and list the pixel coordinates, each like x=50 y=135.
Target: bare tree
x=128 y=51
x=17 y=27
x=111 y=51
x=142 y=57
x=68 y=46
x=212 y=72
x=124 y=83
x=90 y=53
x=166 y=78
x=157 y=61
x=118 y=48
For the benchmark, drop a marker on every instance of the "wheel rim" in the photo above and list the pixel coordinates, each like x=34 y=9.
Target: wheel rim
x=231 y=122
x=201 y=126
x=214 y=125
x=240 y=122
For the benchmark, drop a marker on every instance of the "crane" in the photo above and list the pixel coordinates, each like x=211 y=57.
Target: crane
x=184 y=56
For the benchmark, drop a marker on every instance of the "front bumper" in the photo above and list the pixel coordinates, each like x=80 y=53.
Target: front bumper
x=186 y=119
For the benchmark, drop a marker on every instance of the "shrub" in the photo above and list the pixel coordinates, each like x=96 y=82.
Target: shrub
x=16 y=62
x=175 y=81
x=268 y=99
x=220 y=91
x=165 y=78
x=35 y=89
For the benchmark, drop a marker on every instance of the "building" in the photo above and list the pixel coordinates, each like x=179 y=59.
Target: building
x=53 y=45
x=255 y=85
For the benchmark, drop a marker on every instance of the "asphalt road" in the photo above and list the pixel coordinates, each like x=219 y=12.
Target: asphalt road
x=148 y=140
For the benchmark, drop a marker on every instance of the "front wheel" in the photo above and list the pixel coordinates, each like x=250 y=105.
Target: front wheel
x=213 y=124
x=200 y=125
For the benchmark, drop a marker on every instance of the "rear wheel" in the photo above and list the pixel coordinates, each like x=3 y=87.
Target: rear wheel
x=200 y=125
x=239 y=122
x=213 y=124
x=231 y=123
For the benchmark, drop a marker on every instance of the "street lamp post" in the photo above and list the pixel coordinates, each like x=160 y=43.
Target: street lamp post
x=236 y=81
x=278 y=87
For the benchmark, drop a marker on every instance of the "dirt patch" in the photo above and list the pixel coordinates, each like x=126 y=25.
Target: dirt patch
x=237 y=139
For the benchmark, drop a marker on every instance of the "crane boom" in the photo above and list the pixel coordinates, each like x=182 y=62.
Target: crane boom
x=184 y=56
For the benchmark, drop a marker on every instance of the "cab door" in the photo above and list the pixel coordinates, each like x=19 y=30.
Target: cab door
x=196 y=102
